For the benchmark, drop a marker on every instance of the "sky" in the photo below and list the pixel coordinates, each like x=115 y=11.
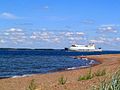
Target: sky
x=59 y=23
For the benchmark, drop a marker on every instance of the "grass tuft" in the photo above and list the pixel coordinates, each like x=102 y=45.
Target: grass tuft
x=100 y=72
x=88 y=76
x=32 y=85
x=62 y=80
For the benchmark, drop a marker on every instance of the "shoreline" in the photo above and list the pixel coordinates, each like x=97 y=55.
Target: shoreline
x=49 y=81
x=59 y=70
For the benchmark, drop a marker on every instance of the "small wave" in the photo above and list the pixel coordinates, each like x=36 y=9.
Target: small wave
x=72 y=68
x=27 y=75
x=92 y=62
x=84 y=58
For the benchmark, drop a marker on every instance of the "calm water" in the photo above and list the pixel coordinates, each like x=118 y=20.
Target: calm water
x=27 y=62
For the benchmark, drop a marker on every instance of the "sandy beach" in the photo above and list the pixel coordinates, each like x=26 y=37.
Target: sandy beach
x=50 y=81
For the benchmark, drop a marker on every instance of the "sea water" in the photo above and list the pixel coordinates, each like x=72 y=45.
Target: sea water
x=15 y=63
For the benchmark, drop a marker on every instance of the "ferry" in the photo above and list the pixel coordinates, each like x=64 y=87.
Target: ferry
x=84 y=48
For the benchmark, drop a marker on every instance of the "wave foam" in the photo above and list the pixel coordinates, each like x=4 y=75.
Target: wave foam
x=72 y=68
x=27 y=75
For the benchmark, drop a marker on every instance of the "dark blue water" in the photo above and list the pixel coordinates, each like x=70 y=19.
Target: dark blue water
x=24 y=62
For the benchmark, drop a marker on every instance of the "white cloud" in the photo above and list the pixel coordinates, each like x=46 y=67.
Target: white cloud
x=33 y=37
x=44 y=29
x=107 y=28
x=117 y=39
x=112 y=25
x=6 y=33
x=7 y=15
x=56 y=40
x=69 y=34
x=87 y=21
x=97 y=41
x=41 y=36
x=2 y=41
x=71 y=38
x=80 y=33
x=15 y=35
x=14 y=30
x=56 y=37
x=102 y=38
x=46 y=7
x=75 y=38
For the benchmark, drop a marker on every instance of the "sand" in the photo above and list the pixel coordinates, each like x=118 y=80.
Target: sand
x=50 y=81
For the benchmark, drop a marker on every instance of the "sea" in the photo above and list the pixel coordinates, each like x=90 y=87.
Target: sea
x=21 y=63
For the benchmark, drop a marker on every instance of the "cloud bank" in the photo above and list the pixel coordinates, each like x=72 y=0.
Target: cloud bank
x=20 y=37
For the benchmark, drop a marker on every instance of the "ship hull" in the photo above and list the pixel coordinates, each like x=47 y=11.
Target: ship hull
x=84 y=50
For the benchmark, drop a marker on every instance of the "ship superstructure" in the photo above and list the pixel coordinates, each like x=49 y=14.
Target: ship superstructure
x=86 y=48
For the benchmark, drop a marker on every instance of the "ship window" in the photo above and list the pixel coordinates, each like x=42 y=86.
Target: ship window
x=73 y=46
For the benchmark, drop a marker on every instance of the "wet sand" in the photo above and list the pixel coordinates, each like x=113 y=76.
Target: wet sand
x=49 y=81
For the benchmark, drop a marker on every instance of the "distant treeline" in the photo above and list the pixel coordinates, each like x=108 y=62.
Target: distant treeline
x=23 y=49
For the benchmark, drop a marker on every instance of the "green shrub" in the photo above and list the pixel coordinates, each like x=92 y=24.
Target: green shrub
x=62 y=80
x=32 y=85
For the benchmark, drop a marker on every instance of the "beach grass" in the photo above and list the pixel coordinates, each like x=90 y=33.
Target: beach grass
x=112 y=84
x=100 y=72
x=62 y=80
x=91 y=75
x=88 y=76
x=32 y=85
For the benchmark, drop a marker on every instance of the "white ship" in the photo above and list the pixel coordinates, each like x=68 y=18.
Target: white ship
x=84 y=48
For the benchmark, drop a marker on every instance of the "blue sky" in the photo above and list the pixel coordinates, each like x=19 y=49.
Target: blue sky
x=59 y=23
